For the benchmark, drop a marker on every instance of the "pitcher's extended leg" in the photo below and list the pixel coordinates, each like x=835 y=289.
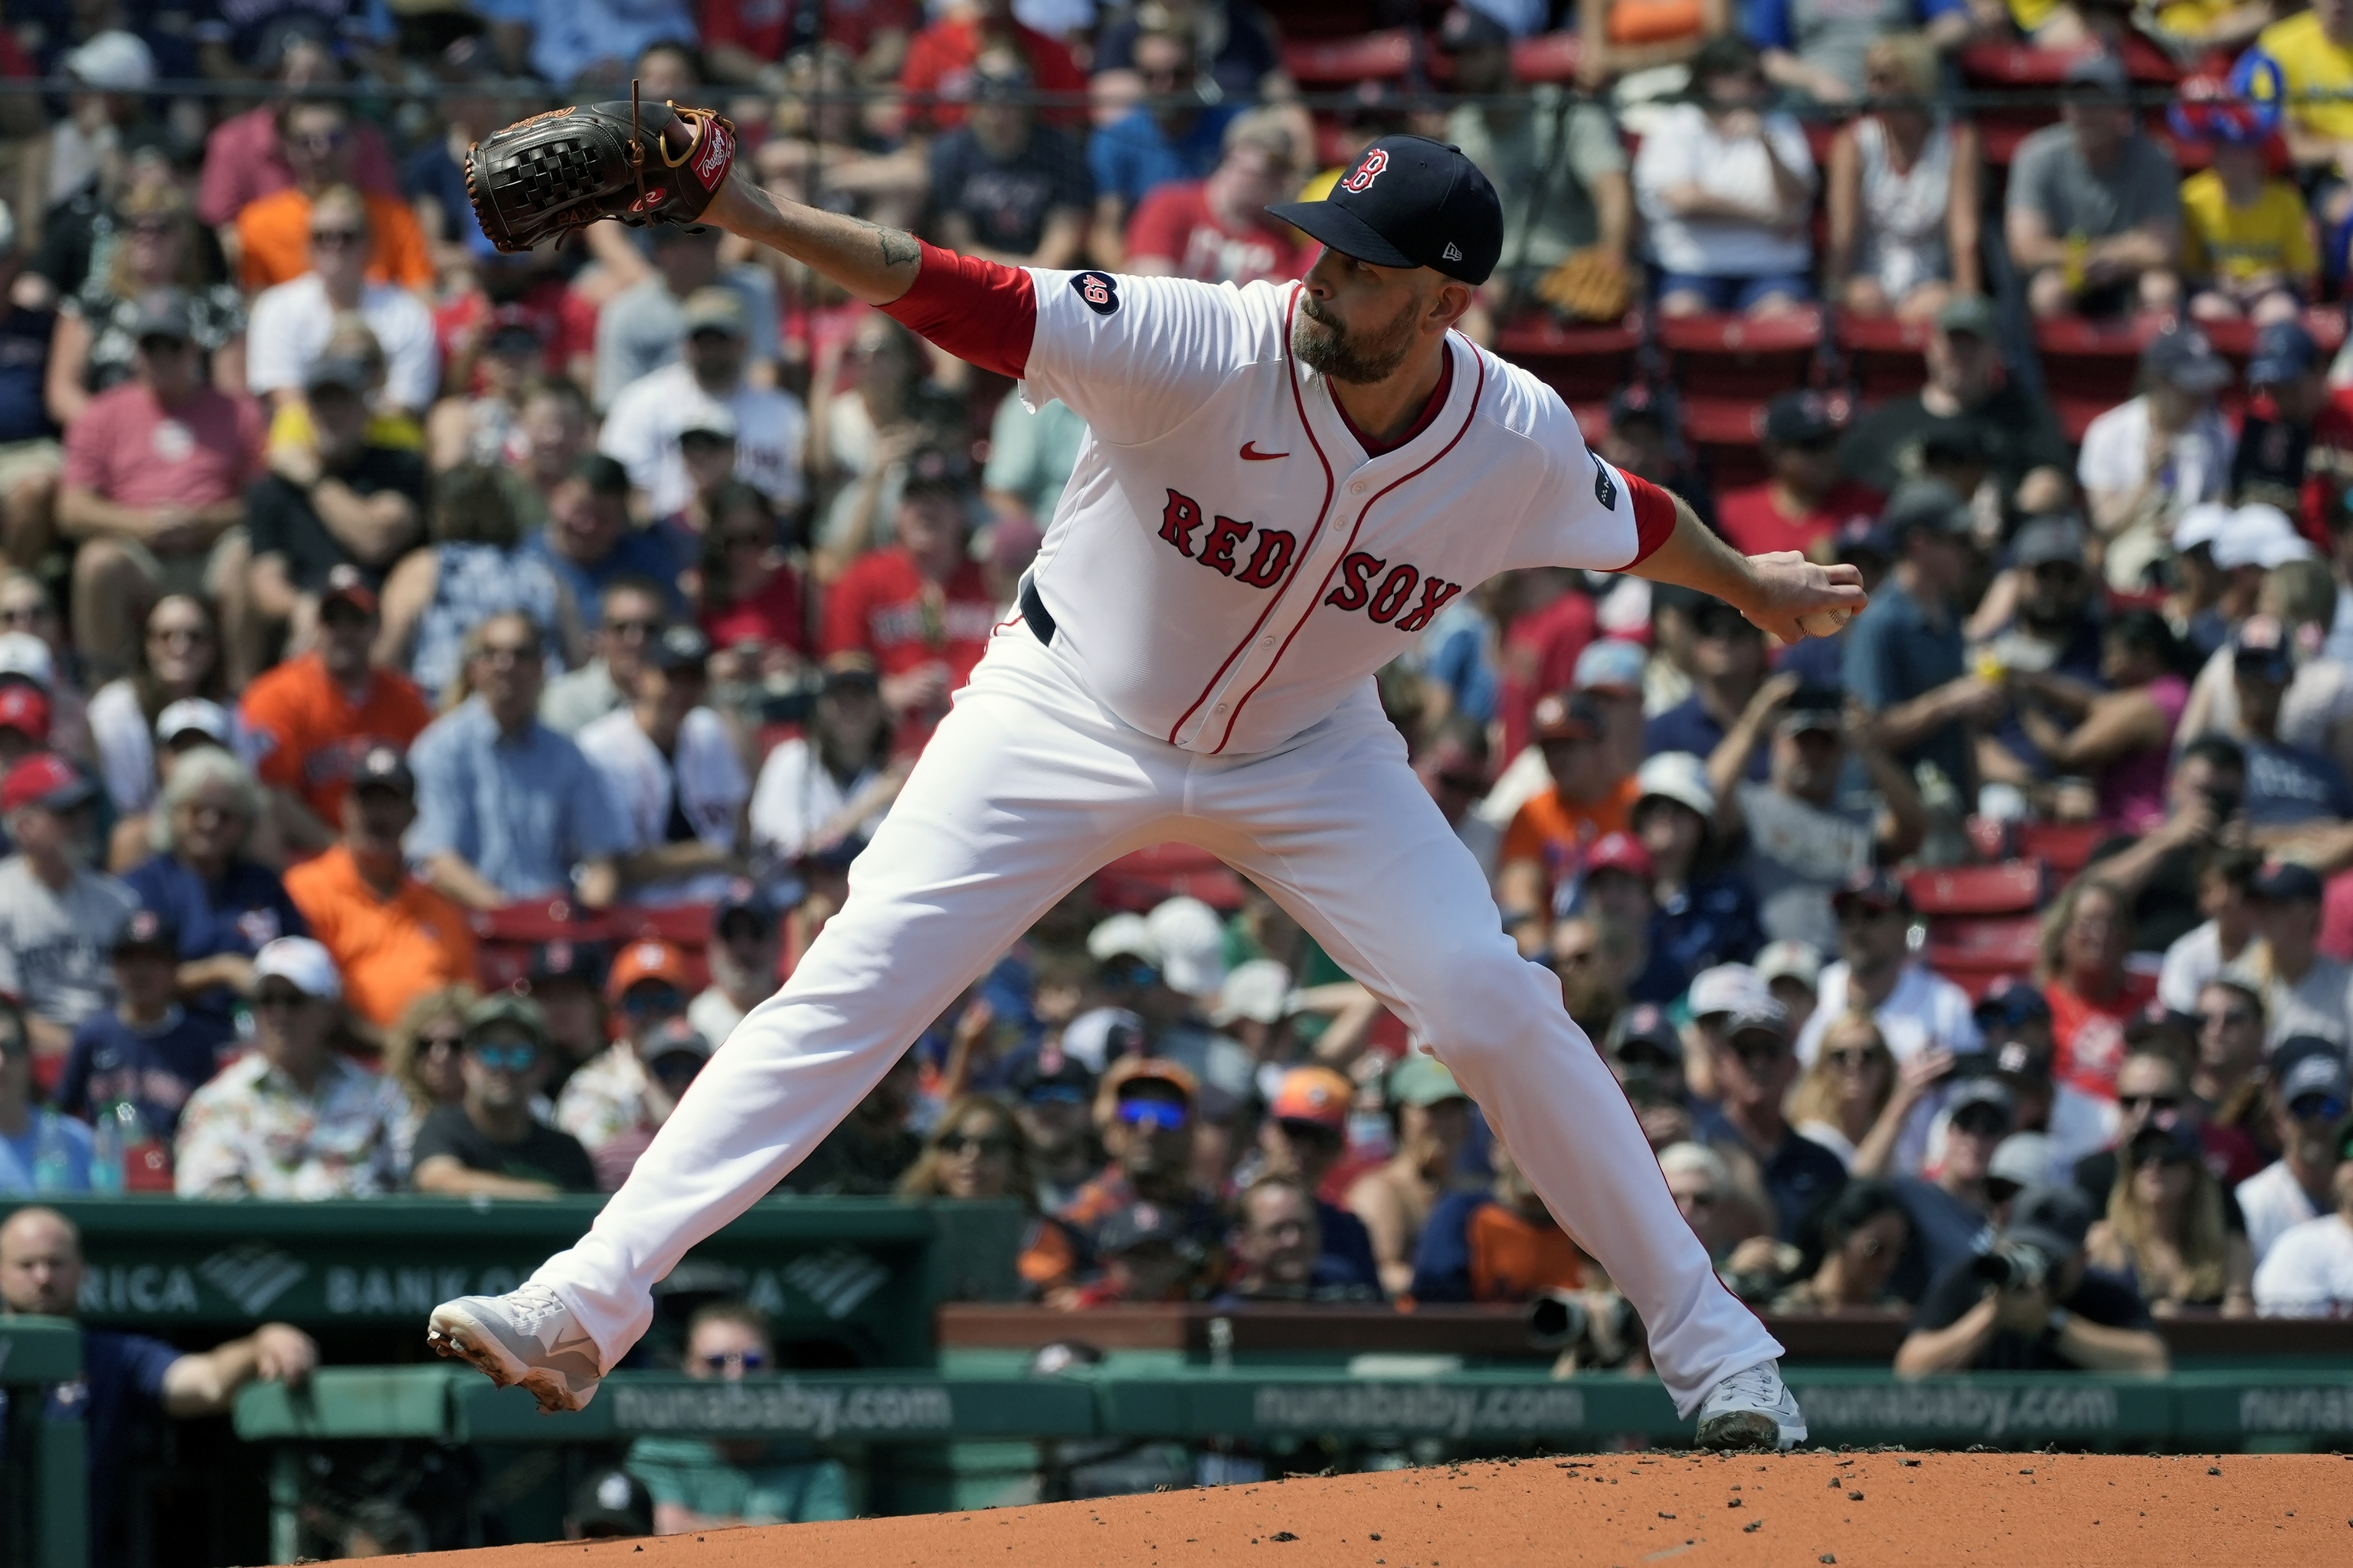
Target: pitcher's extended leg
x=1011 y=805
x=1343 y=835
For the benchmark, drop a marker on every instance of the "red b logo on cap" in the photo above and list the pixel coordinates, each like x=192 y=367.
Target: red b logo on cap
x=1366 y=172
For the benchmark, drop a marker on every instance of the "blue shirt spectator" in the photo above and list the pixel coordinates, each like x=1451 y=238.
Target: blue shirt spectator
x=598 y=38
x=20 y=1154
x=155 y=1068
x=1907 y=642
x=589 y=542
x=1689 y=726
x=1137 y=152
x=1348 y=1256
x=24 y=366
x=507 y=807
x=224 y=906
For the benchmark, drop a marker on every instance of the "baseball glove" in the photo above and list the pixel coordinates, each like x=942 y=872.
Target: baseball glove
x=1592 y=285
x=569 y=167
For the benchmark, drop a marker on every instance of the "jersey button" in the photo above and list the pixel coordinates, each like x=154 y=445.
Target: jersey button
x=1221 y=707
x=1266 y=642
x=1357 y=488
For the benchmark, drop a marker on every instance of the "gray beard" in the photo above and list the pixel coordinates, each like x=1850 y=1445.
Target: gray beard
x=1324 y=344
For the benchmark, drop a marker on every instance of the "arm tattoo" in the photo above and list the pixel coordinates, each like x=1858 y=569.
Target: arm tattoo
x=897 y=245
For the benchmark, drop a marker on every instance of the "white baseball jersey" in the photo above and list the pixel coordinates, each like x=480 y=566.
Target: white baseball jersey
x=1225 y=569
x=1226 y=562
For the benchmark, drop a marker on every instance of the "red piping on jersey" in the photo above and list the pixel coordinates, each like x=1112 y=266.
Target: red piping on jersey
x=1430 y=407
x=983 y=312
x=1654 y=517
x=1469 y=415
x=1289 y=578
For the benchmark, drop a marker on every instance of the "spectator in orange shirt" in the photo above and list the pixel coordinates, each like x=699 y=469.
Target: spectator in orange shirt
x=938 y=74
x=1498 y=1244
x=394 y=939
x=310 y=720
x=273 y=234
x=1544 y=849
x=920 y=609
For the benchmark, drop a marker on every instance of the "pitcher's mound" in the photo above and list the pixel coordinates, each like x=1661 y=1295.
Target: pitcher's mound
x=1858 y=1511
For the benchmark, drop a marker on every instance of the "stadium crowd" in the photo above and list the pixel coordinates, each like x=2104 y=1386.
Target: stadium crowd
x=441 y=692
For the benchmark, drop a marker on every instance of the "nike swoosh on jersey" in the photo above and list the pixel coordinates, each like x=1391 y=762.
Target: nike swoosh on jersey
x=1251 y=454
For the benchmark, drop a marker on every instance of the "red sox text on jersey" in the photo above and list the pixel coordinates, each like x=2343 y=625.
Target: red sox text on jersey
x=1363 y=583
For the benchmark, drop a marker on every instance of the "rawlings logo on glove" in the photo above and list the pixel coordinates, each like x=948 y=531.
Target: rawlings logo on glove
x=568 y=168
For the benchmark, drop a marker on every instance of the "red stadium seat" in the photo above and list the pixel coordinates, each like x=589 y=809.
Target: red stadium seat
x=1749 y=357
x=2089 y=367
x=1548 y=57
x=1990 y=838
x=684 y=925
x=1974 y=976
x=1140 y=880
x=2013 y=940
x=2013 y=888
x=2065 y=847
x=1385 y=56
x=554 y=920
x=1884 y=355
x=1583 y=362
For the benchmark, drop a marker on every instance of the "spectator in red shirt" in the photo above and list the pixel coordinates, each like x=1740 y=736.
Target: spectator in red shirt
x=1550 y=628
x=938 y=75
x=245 y=160
x=920 y=609
x=155 y=473
x=1805 y=500
x=1216 y=230
x=744 y=42
x=755 y=608
x=2093 y=997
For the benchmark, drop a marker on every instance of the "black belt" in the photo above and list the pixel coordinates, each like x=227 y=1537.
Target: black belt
x=1033 y=612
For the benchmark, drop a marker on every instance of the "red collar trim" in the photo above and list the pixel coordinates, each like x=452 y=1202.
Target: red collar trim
x=1429 y=410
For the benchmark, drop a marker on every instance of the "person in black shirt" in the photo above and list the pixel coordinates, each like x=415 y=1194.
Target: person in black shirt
x=2019 y=441
x=2050 y=1316
x=1005 y=188
x=346 y=502
x=489 y=1144
x=1754 y=1073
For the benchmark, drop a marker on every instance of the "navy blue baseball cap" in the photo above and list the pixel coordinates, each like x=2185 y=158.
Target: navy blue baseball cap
x=1410 y=202
x=2284 y=351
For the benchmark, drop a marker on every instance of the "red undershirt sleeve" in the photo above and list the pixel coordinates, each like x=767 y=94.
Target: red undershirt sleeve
x=1654 y=517
x=982 y=311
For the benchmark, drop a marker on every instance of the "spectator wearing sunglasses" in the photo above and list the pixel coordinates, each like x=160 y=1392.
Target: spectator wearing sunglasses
x=674 y=1055
x=489 y=1145
x=647 y=987
x=1053 y=1093
x=703 y=1483
x=2228 y=1074
x=1302 y=1137
x=293 y=1118
x=1952 y=1210
x=2016 y=1021
x=2153 y=1090
x=1864 y=1233
x=2309 y=1096
x=1753 y=1076
x=2162 y=1231
x=1144 y=1114
x=278 y=234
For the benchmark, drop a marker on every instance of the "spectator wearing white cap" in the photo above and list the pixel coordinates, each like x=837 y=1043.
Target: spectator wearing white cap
x=1792 y=971
x=294 y=1118
x=1705 y=913
x=28 y=611
x=1714 y=995
x=112 y=72
x=2294 y=602
x=2195 y=601
x=191 y=723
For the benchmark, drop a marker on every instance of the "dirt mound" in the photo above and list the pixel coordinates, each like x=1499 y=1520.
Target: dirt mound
x=1858 y=1510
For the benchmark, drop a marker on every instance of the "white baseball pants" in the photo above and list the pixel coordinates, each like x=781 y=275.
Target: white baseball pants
x=1027 y=787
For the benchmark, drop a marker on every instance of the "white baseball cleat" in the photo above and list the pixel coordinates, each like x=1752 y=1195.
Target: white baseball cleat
x=1753 y=1408
x=526 y=1338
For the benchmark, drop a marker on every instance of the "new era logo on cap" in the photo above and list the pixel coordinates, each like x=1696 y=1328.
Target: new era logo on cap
x=1452 y=252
